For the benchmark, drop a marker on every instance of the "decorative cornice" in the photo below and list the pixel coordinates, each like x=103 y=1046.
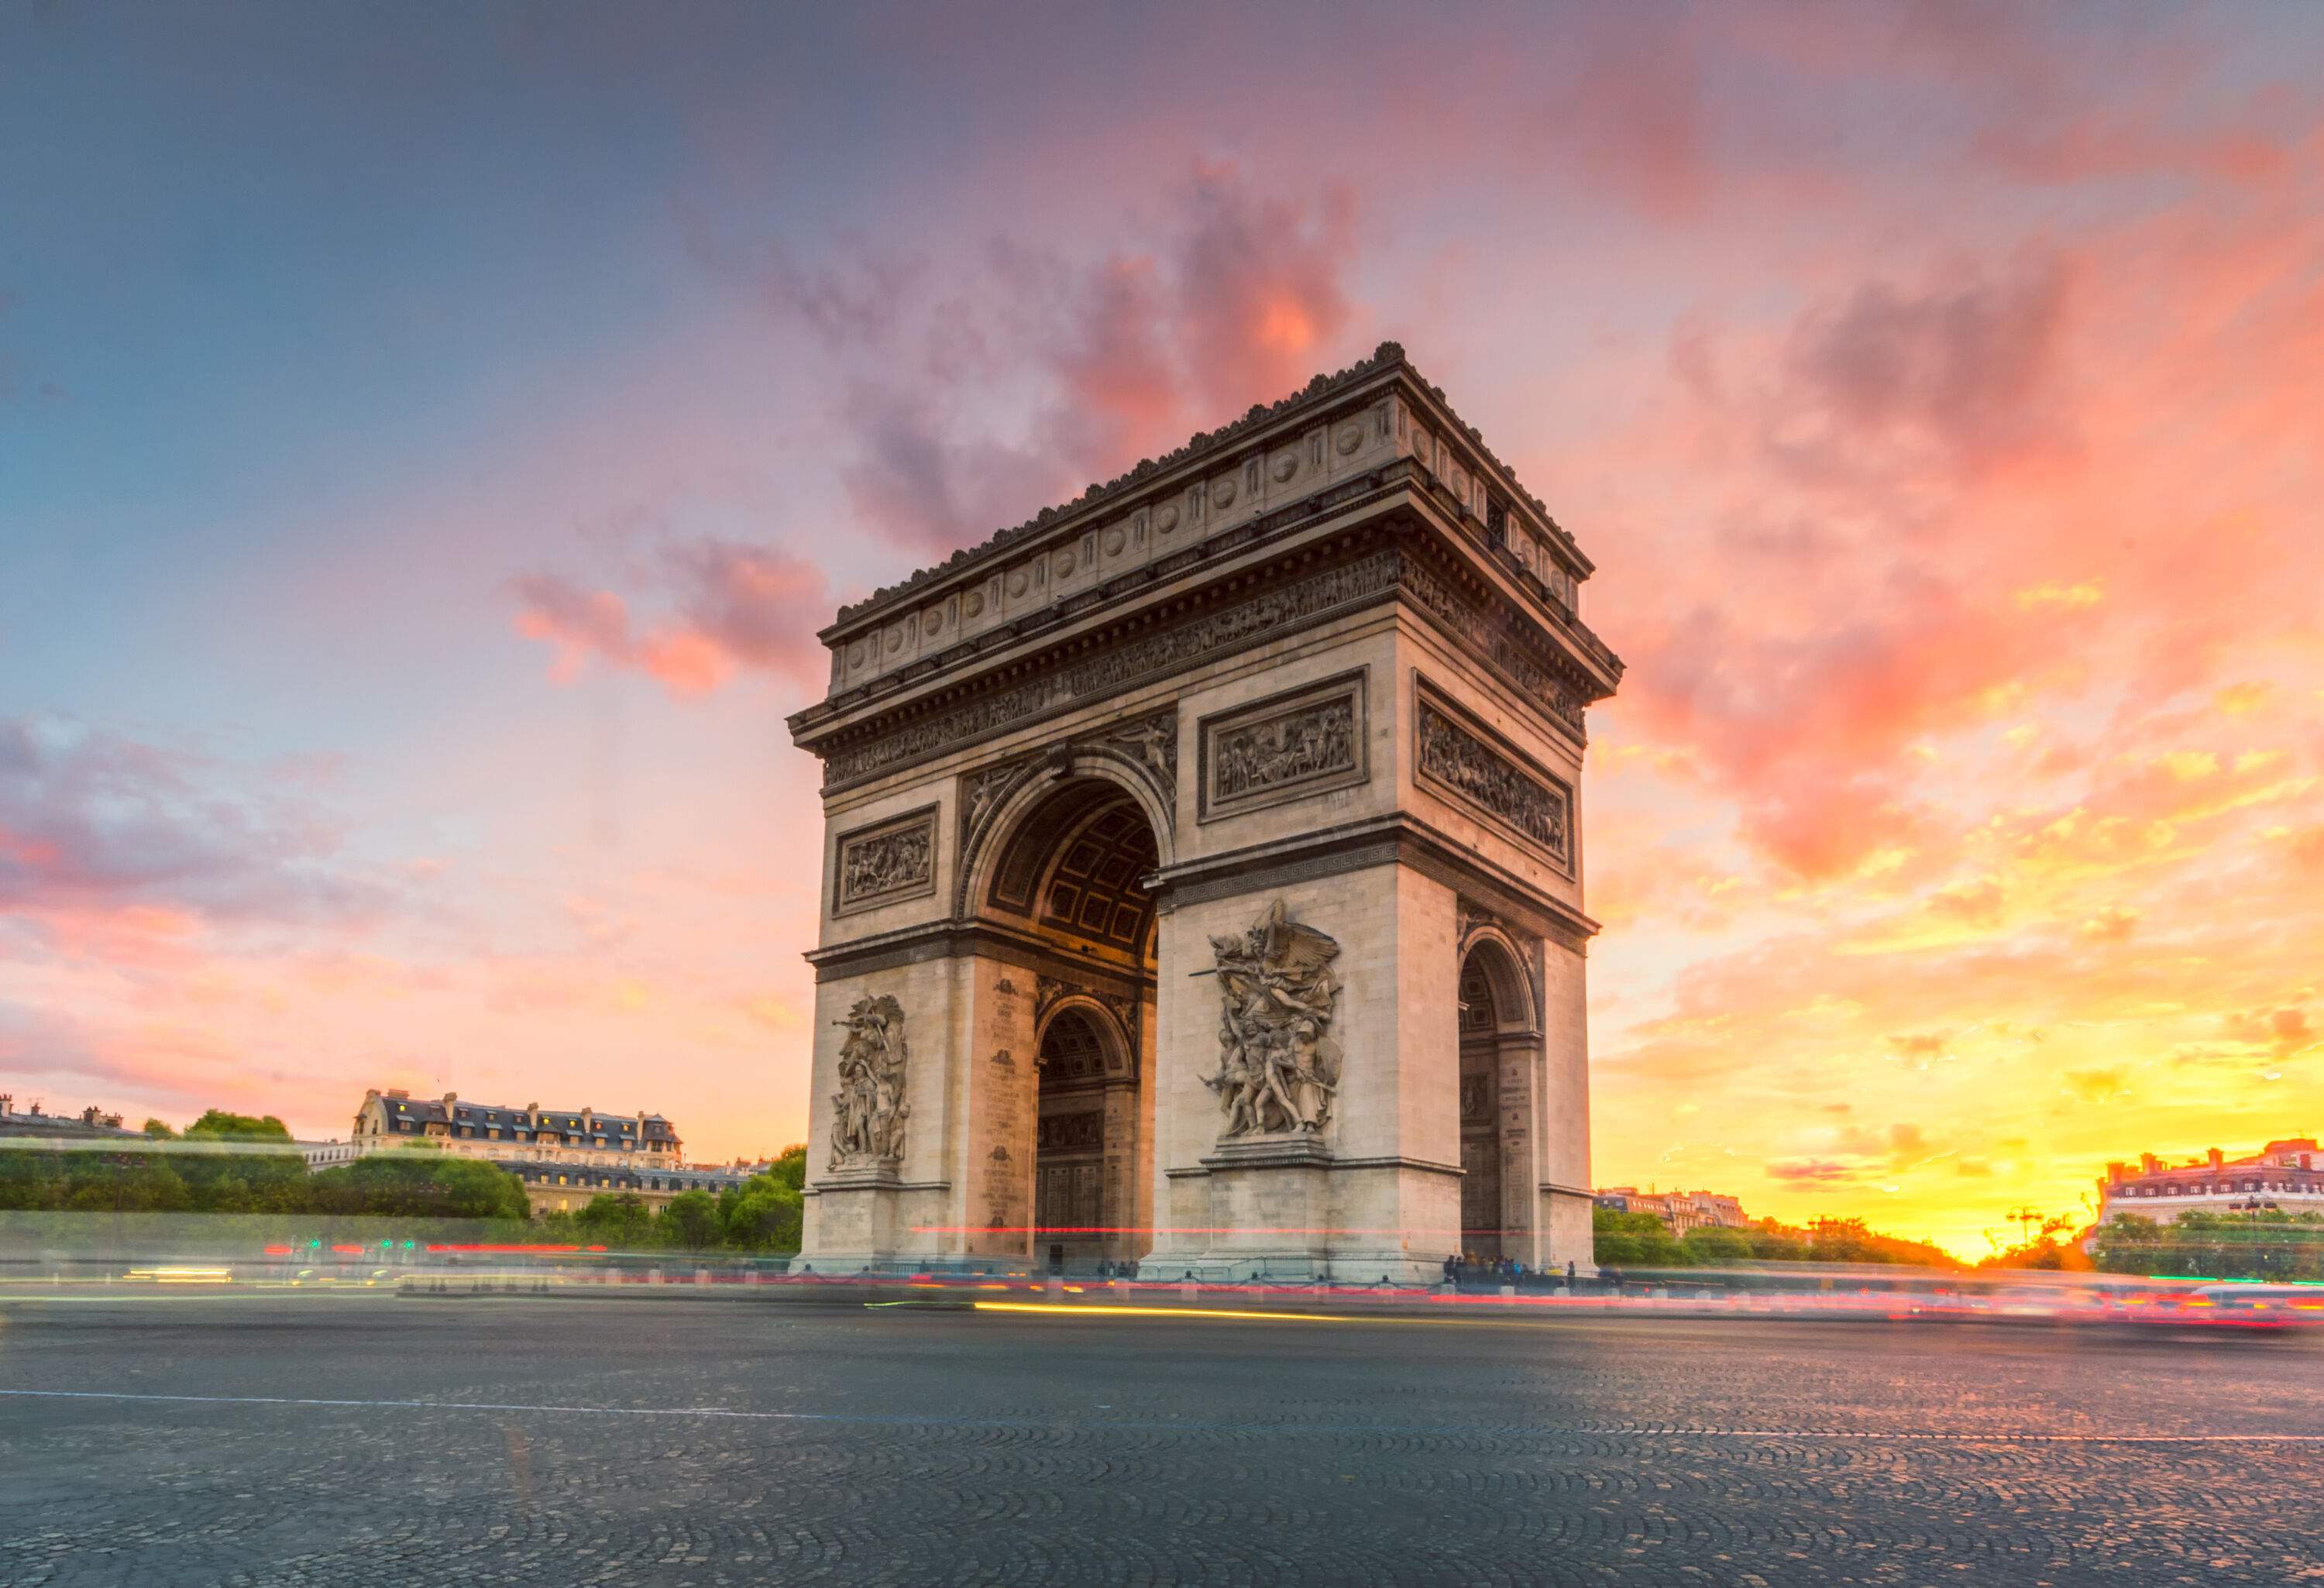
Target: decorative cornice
x=943 y=939
x=1387 y=358
x=1151 y=654
x=1382 y=558
x=1200 y=445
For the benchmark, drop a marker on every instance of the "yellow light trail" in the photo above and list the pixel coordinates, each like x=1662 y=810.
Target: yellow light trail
x=1073 y=1309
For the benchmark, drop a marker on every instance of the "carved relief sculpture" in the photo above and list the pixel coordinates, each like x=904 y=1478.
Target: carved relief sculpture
x=868 y=1108
x=1278 y=1067
x=894 y=860
x=982 y=792
x=1155 y=743
x=1285 y=748
x=1451 y=755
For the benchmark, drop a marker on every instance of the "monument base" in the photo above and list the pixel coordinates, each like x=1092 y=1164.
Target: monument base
x=1275 y=1210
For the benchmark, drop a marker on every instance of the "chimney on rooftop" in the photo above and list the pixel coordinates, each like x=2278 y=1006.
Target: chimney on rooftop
x=2117 y=1173
x=2148 y=1163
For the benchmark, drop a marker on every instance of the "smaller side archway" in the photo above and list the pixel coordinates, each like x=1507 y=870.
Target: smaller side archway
x=1500 y=1056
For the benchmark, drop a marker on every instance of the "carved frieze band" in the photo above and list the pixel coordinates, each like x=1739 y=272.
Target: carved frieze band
x=1230 y=627
x=890 y=860
x=1510 y=643
x=1289 y=746
x=1465 y=761
x=1499 y=637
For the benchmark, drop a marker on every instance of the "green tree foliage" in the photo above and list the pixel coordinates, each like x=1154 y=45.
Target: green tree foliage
x=419 y=1186
x=1634 y=1241
x=762 y=1214
x=616 y=1218
x=206 y=1176
x=690 y=1222
x=239 y=1163
x=766 y=1212
x=2261 y=1244
x=1639 y=1239
x=217 y=1124
x=790 y=1168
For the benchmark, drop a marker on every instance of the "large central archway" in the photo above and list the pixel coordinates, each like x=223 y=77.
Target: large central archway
x=1068 y=870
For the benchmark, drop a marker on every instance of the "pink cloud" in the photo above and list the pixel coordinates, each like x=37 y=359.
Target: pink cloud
x=1236 y=298
x=93 y=822
x=729 y=606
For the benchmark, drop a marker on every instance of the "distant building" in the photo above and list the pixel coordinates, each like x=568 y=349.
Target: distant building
x=90 y=1122
x=564 y=1156
x=2287 y=1176
x=1679 y=1211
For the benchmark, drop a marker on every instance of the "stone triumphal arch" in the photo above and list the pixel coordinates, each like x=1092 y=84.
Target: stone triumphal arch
x=1203 y=869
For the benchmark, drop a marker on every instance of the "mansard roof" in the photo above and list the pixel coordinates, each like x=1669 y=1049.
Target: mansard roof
x=651 y=1127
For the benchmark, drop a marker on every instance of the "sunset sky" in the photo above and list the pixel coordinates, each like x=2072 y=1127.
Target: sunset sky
x=429 y=436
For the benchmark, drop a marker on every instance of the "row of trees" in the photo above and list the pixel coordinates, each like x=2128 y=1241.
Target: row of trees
x=2259 y=1244
x=1641 y=1240
x=763 y=1214
x=398 y=1184
x=247 y=1164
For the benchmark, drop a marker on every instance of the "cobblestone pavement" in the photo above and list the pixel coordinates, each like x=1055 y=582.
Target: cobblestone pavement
x=579 y=1442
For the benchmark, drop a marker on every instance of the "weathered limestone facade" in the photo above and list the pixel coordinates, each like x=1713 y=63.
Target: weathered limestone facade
x=1202 y=871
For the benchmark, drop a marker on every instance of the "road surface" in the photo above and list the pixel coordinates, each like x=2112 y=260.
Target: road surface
x=196 y=1437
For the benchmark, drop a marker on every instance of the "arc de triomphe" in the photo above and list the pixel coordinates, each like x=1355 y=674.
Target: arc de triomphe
x=1203 y=869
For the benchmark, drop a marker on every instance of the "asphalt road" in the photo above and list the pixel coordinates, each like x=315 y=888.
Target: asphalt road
x=367 y=1440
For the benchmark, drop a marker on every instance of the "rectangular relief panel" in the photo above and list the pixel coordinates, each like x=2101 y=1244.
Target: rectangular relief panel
x=1459 y=757
x=1308 y=741
x=887 y=862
